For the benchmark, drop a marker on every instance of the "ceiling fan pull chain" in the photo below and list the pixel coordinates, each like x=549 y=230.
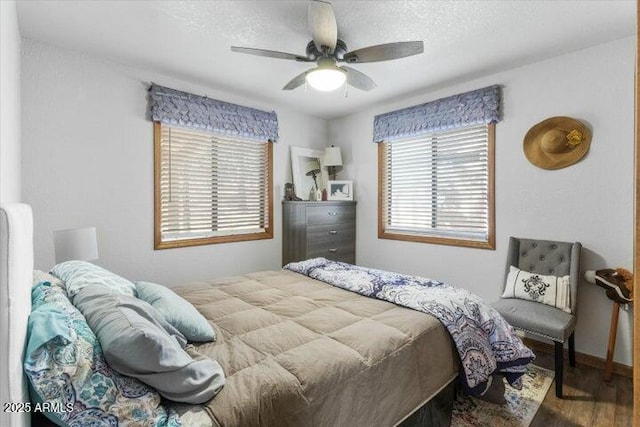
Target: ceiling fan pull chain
x=346 y=91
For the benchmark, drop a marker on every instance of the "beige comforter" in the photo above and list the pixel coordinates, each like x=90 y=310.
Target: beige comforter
x=299 y=352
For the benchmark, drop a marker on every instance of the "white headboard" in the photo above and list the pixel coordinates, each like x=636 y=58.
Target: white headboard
x=16 y=277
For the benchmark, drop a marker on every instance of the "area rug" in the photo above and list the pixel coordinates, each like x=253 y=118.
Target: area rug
x=518 y=411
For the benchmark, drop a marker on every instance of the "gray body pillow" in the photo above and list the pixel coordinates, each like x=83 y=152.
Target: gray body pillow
x=138 y=342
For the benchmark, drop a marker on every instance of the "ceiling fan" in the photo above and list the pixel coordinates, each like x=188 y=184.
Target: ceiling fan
x=327 y=50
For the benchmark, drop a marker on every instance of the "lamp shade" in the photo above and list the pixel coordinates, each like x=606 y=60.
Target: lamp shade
x=332 y=156
x=77 y=243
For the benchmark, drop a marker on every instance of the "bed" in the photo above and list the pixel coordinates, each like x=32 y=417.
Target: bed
x=295 y=351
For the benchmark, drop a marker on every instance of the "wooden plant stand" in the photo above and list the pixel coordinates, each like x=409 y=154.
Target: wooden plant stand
x=613 y=331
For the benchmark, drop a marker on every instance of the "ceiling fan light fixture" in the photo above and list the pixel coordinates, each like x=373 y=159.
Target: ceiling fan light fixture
x=326 y=79
x=327 y=50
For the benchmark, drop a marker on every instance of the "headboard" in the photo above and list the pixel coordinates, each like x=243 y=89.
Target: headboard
x=16 y=277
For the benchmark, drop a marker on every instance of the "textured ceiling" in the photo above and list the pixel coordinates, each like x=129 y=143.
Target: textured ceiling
x=191 y=39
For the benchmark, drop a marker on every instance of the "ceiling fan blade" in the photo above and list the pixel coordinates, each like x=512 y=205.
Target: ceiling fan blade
x=269 y=53
x=384 y=52
x=297 y=81
x=322 y=23
x=359 y=80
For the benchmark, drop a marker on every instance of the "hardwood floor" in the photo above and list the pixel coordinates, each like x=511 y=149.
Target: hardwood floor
x=588 y=400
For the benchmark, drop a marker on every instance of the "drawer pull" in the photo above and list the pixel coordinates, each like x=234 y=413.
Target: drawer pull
x=333 y=231
x=333 y=213
x=333 y=250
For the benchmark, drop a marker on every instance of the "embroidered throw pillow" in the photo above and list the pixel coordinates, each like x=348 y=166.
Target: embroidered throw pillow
x=551 y=290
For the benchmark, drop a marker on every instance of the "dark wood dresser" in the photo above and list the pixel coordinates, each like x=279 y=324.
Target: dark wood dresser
x=319 y=229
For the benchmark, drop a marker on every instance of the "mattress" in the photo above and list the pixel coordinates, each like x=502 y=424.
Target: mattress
x=299 y=352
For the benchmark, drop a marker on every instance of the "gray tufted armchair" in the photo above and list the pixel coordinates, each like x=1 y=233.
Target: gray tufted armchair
x=547 y=258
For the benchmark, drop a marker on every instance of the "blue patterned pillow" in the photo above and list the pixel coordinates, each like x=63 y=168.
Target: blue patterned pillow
x=66 y=369
x=78 y=274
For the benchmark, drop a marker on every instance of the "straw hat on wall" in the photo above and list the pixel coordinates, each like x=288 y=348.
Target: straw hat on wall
x=557 y=142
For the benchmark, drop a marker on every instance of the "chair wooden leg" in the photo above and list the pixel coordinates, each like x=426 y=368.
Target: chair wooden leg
x=559 y=348
x=572 y=349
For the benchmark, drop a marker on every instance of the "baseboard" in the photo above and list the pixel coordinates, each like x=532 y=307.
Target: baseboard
x=581 y=358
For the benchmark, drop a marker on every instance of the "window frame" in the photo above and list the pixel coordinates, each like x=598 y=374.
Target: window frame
x=157 y=231
x=423 y=238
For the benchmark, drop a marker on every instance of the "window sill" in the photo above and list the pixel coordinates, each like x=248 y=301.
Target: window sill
x=439 y=240
x=212 y=240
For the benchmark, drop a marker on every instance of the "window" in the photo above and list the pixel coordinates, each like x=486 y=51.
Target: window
x=210 y=189
x=438 y=187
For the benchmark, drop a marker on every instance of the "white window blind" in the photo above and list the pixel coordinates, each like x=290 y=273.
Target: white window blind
x=211 y=186
x=438 y=185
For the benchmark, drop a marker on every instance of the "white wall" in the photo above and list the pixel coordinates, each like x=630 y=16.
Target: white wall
x=590 y=202
x=9 y=103
x=88 y=160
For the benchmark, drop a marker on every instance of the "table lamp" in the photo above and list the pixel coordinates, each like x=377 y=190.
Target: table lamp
x=76 y=243
x=333 y=161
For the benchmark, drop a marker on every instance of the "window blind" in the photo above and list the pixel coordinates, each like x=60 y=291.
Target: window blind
x=211 y=186
x=438 y=185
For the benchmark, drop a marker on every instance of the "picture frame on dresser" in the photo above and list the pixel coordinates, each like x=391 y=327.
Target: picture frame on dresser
x=308 y=171
x=340 y=190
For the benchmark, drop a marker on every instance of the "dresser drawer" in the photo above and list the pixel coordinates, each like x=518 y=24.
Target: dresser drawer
x=333 y=234
x=346 y=253
x=319 y=215
x=319 y=229
x=333 y=241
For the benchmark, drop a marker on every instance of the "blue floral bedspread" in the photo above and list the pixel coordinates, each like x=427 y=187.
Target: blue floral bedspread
x=486 y=343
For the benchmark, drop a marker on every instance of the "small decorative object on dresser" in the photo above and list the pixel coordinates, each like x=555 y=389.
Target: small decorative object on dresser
x=319 y=229
x=290 y=192
x=340 y=190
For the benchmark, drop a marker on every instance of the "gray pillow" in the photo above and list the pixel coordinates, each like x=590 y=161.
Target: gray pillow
x=177 y=311
x=138 y=342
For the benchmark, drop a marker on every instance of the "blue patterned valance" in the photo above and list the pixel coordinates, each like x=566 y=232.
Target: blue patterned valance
x=466 y=109
x=173 y=107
